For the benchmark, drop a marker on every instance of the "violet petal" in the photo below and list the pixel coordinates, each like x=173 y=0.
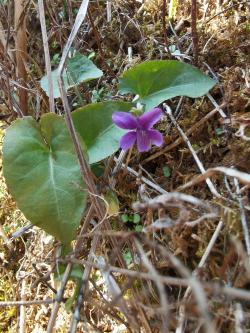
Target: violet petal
x=127 y=140
x=143 y=141
x=124 y=120
x=155 y=137
x=148 y=119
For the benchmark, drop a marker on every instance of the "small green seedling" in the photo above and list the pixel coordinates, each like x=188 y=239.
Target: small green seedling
x=127 y=256
x=135 y=219
x=166 y=171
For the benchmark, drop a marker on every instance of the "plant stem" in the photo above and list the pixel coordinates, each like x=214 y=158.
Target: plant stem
x=21 y=52
x=164 y=10
x=194 y=31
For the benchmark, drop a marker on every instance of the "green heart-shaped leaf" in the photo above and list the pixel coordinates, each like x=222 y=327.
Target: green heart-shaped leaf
x=78 y=69
x=158 y=80
x=94 y=124
x=43 y=175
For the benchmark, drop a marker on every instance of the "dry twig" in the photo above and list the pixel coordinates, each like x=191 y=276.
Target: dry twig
x=196 y=158
x=21 y=51
x=22 y=319
x=46 y=54
x=194 y=31
x=242 y=176
x=243 y=218
x=58 y=298
x=26 y=303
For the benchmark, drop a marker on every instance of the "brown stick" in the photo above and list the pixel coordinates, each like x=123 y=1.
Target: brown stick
x=58 y=299
x=194 y=31
x=22 y=311
x=70 y=12
x=46 y=54
x=26 y=303
x=21 y=52
x=213 y=288
x=84 y=167
x=164 y=9
x=164 y=6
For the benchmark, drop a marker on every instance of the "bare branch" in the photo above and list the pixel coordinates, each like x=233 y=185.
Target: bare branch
x=46 y=54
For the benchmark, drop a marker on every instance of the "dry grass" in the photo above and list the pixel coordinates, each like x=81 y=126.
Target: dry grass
x=189 y=270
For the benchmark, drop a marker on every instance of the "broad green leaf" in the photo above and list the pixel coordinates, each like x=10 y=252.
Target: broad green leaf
x=78 y=69
x=43 y=174
x=158 y=80
x=94 y=124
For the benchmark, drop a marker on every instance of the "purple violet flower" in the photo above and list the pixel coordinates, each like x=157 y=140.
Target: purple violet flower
x=140 y=129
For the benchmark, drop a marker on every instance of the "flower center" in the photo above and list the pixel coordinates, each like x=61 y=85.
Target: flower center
x=143 y=134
